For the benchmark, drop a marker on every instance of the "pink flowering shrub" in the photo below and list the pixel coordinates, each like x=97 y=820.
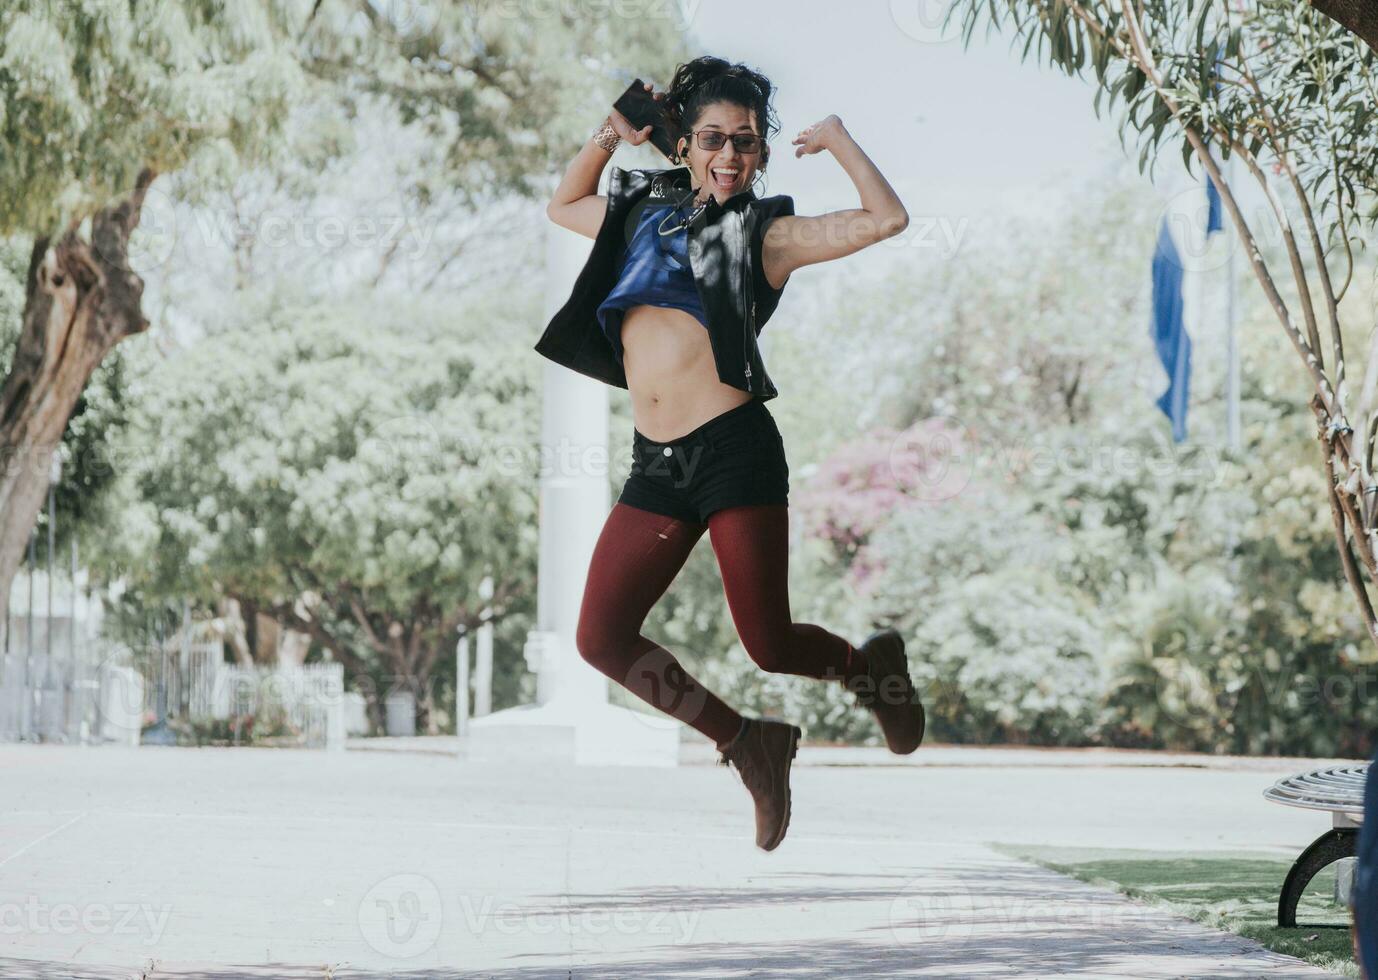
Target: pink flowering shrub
x=864 y=483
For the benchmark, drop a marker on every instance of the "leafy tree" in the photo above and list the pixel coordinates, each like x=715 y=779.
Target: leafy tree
x=505 y=92
x=123 y=92
x=1183 y=597
x=1266 y=653
x=96 y=100
x=1291 y=94
x=353 y=469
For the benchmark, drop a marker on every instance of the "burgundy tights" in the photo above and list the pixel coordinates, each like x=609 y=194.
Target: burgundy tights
x=638 y=555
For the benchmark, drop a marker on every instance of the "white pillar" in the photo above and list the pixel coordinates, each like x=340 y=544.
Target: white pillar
x=572 y=719
x=574 y=495
x=483 y=671
x=483 y=660
x=462 y=685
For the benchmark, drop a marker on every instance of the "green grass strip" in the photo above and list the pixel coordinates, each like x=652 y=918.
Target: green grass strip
x=1228 y=891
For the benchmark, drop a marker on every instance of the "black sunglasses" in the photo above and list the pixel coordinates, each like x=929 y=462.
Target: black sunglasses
x=712 y=139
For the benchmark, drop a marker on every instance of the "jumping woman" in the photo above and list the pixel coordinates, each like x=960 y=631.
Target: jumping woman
x=687 y=266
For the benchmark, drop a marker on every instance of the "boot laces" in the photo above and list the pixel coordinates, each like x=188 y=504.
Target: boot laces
x=751 y=767
x=868 y=694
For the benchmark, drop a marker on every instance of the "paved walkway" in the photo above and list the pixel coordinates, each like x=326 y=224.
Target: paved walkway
x=151 y=863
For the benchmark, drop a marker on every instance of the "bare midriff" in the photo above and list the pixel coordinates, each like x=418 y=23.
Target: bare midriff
x=671 y=374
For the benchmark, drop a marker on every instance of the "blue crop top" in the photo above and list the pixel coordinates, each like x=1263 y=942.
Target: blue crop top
x=653 y=270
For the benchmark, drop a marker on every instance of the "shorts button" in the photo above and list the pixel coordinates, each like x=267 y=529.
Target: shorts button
x=666 y=450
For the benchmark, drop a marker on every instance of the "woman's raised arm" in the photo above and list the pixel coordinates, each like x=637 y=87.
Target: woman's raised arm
x=577 y=205
x=792 y=241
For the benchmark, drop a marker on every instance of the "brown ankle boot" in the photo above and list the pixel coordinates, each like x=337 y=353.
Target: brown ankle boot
x=888 y=692
x=762 y=753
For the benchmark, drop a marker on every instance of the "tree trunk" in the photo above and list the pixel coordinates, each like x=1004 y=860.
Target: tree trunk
x=267 y=630
x=374 y=706
x=425 y=712
x=293 y=648
x=235 y=632
x=1359 y=17
x=81 y=299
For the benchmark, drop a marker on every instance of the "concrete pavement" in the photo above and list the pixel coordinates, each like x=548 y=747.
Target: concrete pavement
x=150 y=863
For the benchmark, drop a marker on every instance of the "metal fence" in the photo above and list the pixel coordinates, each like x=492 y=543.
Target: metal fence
x=51 y=681
x=188 y=681
x=304 y=705
x=62 y=681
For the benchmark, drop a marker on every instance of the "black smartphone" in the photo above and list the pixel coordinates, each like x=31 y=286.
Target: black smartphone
x=642 y=109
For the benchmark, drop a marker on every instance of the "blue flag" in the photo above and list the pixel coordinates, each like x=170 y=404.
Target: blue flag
x=1169 y=331
x=1214 y=220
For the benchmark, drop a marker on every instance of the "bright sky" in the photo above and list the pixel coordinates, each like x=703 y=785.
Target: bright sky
x=970 y=137
x=958 y=131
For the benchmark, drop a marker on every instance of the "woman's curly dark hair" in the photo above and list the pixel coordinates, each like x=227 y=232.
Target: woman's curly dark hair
x=706 y=80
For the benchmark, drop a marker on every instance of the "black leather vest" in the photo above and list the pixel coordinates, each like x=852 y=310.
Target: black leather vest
x=725 y=255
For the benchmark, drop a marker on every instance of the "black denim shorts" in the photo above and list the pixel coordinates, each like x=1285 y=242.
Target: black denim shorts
x=732 y=459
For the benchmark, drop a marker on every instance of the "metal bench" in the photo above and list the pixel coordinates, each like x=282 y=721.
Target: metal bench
x=1339 y=789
